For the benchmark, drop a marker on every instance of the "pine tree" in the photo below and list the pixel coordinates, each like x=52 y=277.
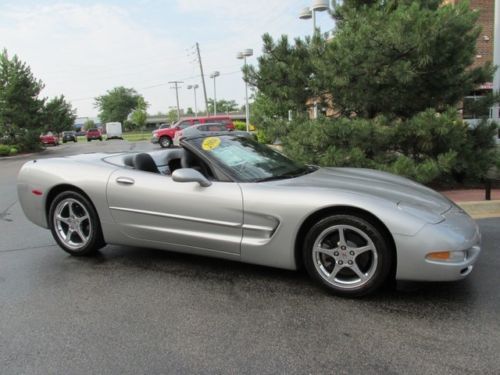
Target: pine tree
x=20 y=106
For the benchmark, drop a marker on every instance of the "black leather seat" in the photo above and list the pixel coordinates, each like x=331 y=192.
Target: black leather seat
x=144 y=162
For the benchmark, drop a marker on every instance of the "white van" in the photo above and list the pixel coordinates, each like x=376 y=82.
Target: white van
x=113 y=130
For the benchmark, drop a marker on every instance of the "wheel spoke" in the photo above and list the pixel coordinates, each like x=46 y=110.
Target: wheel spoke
x=80 y=234
x=341 y=236
x=362 y=249
x=334 y=272
x=62 y=219
x=71 y=212
x=83 y=218
x=322 y=250
x=358 y=272
x=69 y=233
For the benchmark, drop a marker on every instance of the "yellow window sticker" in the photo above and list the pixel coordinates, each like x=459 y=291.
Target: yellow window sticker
x=210 y=143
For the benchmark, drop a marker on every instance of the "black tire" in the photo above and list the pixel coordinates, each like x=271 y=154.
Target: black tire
x=377 y=263
x=95 y=239
x=88 y=140
x=165 y=142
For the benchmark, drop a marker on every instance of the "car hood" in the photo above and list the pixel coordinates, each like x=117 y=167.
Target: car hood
x=373 y=183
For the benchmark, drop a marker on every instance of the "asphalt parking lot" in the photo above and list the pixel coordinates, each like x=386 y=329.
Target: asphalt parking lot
x=132 y=311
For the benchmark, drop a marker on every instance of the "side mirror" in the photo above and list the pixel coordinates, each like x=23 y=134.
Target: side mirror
x=190 y=175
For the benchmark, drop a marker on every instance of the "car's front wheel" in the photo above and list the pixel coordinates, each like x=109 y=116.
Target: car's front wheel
x=75 y=225
x=165 y=142
x=348 y=255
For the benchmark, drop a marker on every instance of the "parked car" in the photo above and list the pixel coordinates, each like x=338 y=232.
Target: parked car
x=114 y=130
x=231 y=197
x=165 y=137
x=206 y=129
x=49 y=139
x=69 y=136
x=94 y=133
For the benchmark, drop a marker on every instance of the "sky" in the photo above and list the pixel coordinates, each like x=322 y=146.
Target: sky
x=83 y=48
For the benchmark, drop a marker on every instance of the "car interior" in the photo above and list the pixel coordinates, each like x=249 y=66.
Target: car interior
x=165 y=162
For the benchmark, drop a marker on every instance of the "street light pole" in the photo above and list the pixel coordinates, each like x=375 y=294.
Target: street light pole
x=317 y=6
x=214 y=75
x=194 y=87
x=177 y=87
x=243 y=55
x=496 y=59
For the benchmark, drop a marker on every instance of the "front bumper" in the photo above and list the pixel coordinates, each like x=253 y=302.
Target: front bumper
x=154 y=139
x=458 y=232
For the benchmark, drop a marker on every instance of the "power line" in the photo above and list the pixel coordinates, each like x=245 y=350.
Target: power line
x=157 y=85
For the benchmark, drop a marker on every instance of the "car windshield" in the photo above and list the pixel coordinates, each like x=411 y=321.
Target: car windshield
x=247 y=160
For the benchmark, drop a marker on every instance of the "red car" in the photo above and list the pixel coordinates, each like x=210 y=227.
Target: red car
x=93 y=133
x=49 y=139
x=165 y=136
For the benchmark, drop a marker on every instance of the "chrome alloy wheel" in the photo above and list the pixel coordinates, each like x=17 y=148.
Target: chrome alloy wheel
x=345 y=256
x=72 y=223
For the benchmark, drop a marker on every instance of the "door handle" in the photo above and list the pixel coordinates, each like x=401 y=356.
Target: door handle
x=125 y=180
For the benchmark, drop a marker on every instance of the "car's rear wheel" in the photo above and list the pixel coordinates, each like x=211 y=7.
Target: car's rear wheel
x=348 y=255
x=75 y=225
x=165 y=142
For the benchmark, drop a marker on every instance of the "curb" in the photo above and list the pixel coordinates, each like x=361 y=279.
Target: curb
x=481 y=209
x=20 y=156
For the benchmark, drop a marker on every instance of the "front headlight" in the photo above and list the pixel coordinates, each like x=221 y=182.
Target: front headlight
x=421 y=212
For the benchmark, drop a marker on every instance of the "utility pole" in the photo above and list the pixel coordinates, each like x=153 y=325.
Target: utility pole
x=176 y=87
x=202 y=77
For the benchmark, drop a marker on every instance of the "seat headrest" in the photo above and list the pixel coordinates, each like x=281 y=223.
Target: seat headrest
x=144 y=162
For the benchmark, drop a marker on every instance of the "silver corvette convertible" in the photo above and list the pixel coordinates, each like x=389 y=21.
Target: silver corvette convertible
x=230 y=197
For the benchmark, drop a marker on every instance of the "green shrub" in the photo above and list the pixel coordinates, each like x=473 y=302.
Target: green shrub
x=13 y=151
x=4 y=150
x=28 y=140
x=429 y=147
x=240 y=125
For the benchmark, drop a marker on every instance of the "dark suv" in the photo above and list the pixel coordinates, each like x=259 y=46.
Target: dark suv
x=68 y=136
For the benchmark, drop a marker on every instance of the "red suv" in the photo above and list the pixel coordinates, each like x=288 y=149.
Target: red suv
x=93 y=133
x=165 y=136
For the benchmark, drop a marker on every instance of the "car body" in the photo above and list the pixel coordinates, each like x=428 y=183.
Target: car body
x=93 y=134
x=69 y=136
x=165 y=136
x=230 y=197
x=49 y=139
x=206 y=129
x=114 y=130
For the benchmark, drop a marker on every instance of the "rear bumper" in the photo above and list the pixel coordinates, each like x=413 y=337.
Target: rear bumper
x=458 y=232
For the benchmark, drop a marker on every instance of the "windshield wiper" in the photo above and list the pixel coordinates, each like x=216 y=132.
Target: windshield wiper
x=286 y=175
x=272 y=178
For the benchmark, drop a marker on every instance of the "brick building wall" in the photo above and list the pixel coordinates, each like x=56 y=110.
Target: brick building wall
x=484 y=44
